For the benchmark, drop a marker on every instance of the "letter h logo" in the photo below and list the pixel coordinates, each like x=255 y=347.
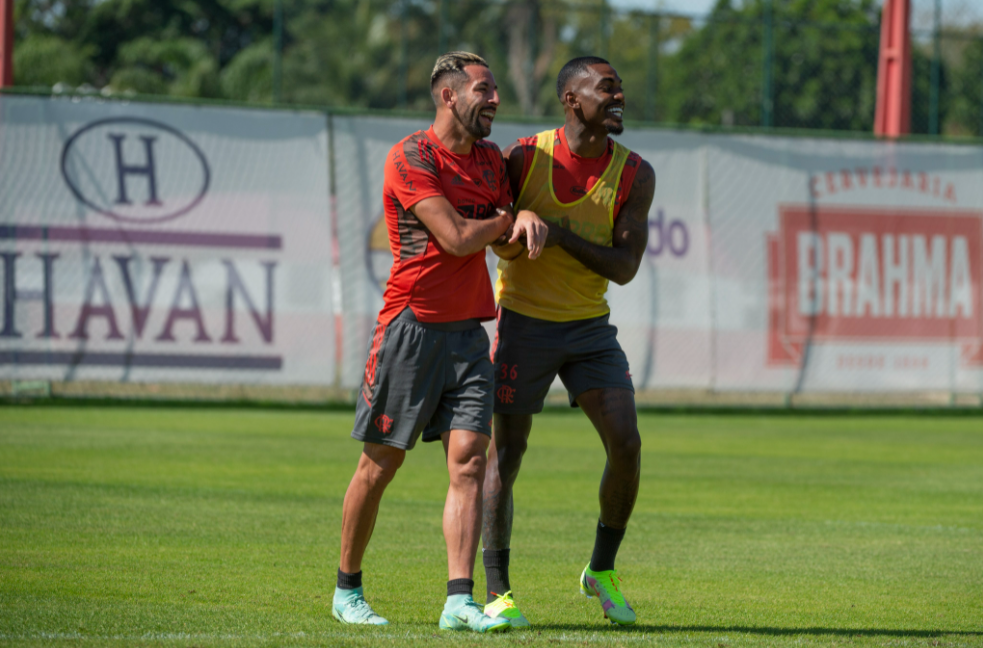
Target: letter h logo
x=147 y=169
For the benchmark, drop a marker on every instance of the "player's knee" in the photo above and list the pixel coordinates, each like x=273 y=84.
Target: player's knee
x=510 y=455
x=381 y=467
x=628 y=450
x=470 y=468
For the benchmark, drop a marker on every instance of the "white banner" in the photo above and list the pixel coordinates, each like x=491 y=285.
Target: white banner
x=176 y=243
x=846 y=266
x=164 y=243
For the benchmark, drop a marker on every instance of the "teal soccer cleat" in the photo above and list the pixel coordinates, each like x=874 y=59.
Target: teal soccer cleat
x=462 y=613
x=350 y=607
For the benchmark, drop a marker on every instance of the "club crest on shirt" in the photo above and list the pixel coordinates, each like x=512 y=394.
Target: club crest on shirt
x=490 y=179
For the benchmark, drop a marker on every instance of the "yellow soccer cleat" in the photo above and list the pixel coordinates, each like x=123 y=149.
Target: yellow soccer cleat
x=605 y=585
x=504 y=607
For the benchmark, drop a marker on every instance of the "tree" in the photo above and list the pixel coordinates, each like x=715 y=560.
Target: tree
x=965 y=113
x=824 y=67
x=170 y=46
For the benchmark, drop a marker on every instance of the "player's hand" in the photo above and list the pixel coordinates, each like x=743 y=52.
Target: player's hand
x=504 y=238
x=531 y=227
x=556 y=231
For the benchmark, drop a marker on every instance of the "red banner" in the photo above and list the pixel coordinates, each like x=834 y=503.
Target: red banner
x=867 y=275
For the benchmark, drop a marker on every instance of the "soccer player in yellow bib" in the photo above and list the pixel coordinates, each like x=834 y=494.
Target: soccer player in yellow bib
x=595 y=196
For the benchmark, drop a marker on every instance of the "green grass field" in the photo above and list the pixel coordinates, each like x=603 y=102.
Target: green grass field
x=219 y=527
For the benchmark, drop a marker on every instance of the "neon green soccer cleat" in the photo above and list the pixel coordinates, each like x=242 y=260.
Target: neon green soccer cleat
x=350 y=607
x=504 y=607
x=462 y=613
x=605 y=586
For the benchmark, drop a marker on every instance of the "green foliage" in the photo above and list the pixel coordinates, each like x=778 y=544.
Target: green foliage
x=344 y=56
x=379 y=53
x=824 y=67
x=249 y=76
x=220 y=527
x=45 y=60
x=180 y=67
x=966 y=110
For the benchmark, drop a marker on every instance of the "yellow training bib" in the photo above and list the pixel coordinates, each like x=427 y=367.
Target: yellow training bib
x=557 y=287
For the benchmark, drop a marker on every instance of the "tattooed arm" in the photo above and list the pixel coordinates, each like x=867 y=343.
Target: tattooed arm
x=620 y=262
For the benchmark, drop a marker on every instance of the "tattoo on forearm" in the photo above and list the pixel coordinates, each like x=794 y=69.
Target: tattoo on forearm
x=620 y=262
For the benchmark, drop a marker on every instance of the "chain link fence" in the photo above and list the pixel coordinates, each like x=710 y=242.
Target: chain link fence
x=751 y=63
x=762 y=64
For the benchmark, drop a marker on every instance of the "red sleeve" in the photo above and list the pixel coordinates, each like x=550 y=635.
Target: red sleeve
x=505 y=197
x=628 y=174
x=411 y=172
x=528 y=145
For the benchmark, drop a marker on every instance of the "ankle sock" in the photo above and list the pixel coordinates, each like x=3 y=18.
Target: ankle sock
x=460 y=586
x=607 y=541
x=348 y=581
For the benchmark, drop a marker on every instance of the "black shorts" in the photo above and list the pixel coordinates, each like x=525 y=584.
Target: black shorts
x=424 y=378
x=530 y=352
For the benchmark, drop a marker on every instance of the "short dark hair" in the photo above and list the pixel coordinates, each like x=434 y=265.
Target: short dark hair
x=452 y=64
x=573 y=68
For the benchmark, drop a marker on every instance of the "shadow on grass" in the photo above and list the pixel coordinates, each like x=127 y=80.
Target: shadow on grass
x=763 y=630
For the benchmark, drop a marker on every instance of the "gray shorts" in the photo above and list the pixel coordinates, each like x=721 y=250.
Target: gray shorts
x=530 y=352
x=424 y=378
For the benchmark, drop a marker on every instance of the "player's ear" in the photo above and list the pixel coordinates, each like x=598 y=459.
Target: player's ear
x=447 y=96
x=570 y=99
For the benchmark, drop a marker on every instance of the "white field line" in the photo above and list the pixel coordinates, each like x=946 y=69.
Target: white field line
x=591 y=637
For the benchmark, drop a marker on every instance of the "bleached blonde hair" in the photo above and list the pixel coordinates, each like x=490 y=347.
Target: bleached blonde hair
x=451 y=66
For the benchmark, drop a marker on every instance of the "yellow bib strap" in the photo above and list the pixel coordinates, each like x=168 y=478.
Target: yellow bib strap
x=557 y=287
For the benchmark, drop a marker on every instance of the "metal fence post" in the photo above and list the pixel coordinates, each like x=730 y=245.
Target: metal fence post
x=403 y=55
x=766 y=66
x=603 y=22
x=6 y=43
x=933 y=105
x=278 y=51
x=530 y=63
x=444 y=20
x=655 y=22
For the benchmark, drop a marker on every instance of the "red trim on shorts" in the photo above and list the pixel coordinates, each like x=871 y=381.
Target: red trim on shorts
x=373 y=362
x=498 y=319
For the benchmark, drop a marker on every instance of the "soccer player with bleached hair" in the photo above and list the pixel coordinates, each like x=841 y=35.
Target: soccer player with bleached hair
x=595 y=196
x=446 y=196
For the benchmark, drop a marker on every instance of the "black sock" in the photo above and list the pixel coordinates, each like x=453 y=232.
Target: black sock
x=606 y=544
x=349 y=581
x=496 y=572
x=460 y=586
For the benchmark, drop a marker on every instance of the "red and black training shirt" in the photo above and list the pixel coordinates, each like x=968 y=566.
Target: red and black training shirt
x=436 y=285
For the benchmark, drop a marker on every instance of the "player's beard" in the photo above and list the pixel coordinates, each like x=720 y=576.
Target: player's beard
x=470 y=118
x=615 y=129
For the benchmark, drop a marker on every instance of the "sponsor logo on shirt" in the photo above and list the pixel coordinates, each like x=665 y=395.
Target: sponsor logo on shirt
x=477 y=212
x=402 y=171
